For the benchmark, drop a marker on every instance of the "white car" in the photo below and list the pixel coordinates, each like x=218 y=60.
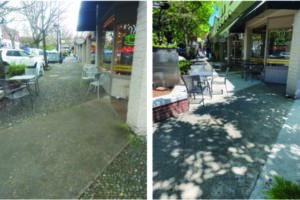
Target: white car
x=18 y=56
x=38 y=55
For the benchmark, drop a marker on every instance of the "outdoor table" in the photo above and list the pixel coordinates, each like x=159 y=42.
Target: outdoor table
x=246 y=68
x=23 y=79
x=217 y=65
x=203 y=70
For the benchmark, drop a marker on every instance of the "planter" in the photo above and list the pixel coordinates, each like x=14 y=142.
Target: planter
x=170 y=105
x=165 y=67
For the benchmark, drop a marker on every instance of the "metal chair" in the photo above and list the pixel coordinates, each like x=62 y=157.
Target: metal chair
x=14 y=92
x=34 y=81
x=96 y=83
x=194 y=87
x=257 y=71
x=220 y=80
x=88 y=74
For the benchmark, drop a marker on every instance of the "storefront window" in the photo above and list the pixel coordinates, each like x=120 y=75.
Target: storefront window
x=108 y=50
x=124 y=48
x=258 y=38
x=279 y=46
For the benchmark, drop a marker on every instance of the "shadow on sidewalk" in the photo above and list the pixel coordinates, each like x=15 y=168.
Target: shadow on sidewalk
x=218 y=151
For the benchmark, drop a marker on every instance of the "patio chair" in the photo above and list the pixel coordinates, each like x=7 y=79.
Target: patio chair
x=14 y=92
x=88 y=74
x=34 y=81
x=194 y=87
x=245 y=68
x=257 y=71
x=96 y=83
x=220 y=80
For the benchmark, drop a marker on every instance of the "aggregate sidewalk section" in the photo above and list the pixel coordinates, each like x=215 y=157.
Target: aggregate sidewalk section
x=58 y=155
x=284 y=158
x=218 y=151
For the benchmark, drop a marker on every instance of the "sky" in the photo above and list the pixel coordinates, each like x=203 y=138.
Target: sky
x=69 y=21
x=72 y=15
x=212 y=17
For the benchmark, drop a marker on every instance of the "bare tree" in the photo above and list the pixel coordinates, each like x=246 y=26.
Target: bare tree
x=12 y=34
x=41 y=16
x=4 y=11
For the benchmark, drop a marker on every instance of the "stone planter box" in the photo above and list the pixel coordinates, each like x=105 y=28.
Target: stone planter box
x=170 y=105
x=165 y=67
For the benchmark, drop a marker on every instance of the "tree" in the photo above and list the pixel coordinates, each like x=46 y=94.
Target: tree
x=12 y=34
x=181 y=20
x=5 y=9
x=42 y=16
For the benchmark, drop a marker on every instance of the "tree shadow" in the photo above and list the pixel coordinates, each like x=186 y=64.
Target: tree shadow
x=218 y=151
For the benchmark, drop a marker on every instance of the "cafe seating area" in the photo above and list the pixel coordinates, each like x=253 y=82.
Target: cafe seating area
x=13 y=90
x=203 y=79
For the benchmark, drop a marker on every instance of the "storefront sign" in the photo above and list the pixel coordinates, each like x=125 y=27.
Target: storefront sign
x=278 y=61
x=123 y=68
x=280 y=48
x=79 y=41
x=127 y=49
x=129 y=39
x=257 y=60
x=280 y=40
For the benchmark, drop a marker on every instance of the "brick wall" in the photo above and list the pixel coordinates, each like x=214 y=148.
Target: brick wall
x=170 y=110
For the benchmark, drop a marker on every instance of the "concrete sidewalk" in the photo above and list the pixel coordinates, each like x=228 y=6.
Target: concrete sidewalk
x=59 y=155
x=284 y=158
x=218 y=151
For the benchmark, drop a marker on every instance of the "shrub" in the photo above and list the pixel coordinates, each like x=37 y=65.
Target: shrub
x=283 y=189
x=184 y=66
x=16 y=69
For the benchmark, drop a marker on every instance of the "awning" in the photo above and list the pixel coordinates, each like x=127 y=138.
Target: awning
x=259 y=7
x=87 y=18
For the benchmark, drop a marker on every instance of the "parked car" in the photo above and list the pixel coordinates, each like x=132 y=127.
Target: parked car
x=53 y=57
x=18 y=56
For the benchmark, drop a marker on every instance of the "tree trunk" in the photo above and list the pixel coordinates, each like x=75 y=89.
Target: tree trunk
x=44 y=40
x=44 y=50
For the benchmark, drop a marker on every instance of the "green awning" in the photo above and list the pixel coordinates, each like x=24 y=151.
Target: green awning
x=259 y=7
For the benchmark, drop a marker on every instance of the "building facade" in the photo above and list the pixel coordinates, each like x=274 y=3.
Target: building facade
x=266 y=32
x=115 y=42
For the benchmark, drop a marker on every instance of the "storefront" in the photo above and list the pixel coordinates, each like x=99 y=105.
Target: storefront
x=269 y=29
x=270 y=44
x=120 y=52
x=117 y=47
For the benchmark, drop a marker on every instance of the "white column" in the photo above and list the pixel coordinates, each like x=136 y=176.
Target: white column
x=293 y=82
x=137 y=105
x=247 y=40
